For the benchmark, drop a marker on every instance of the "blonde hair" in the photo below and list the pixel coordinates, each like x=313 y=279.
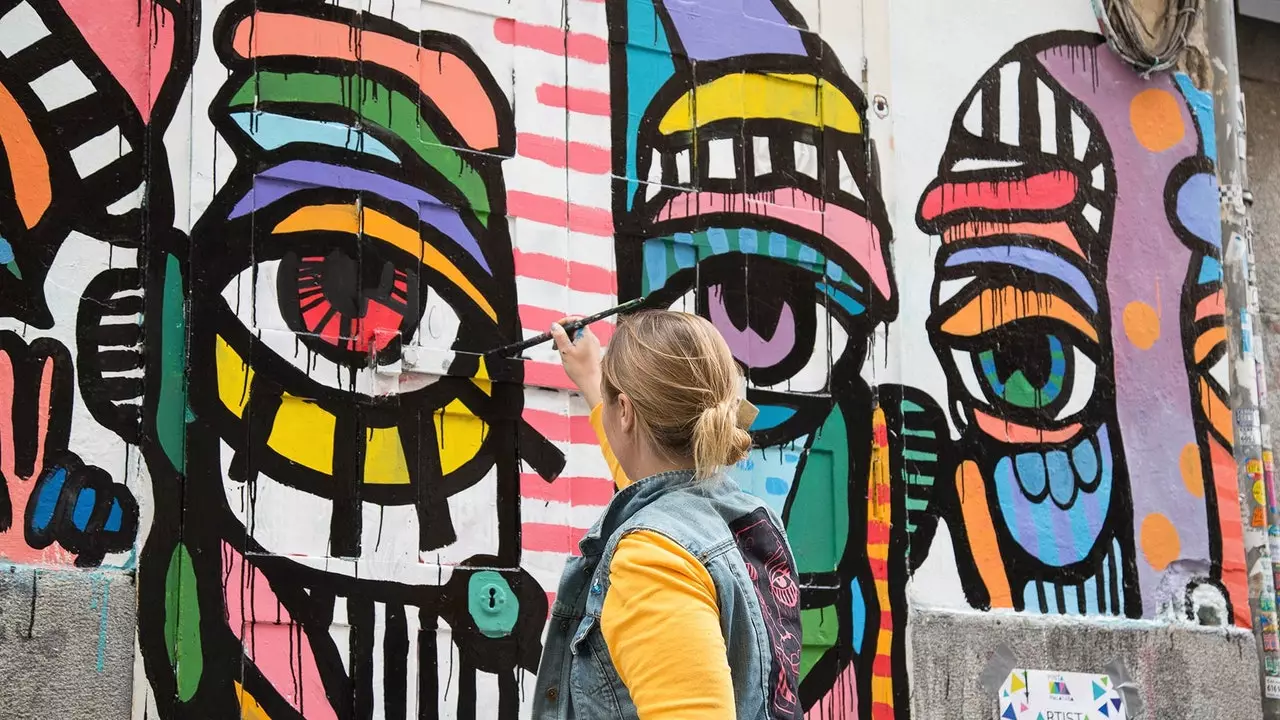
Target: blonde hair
x=683 y=382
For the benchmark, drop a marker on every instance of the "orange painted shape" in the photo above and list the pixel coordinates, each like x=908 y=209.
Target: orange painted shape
x=1231 y=528
x=1141 y=324
x=1208 y=340
x=1160 y=542
x=1189 y=467
x=995 y=307
x=444 y=78
x=1058 y=232
x=1156 y=119
x=28 y=164
x=1005 y=431
x=1216 y=411
x=971 y=488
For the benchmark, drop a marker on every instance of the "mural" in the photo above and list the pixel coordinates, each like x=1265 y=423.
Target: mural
x=1095 y=473
x=337 y=509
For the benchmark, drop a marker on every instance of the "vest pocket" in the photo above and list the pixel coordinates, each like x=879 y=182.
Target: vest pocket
x=595 y=682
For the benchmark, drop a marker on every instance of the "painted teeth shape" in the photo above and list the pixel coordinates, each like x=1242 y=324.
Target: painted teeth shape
x=973 y=116
x=968 y=164
x=720 y=159
x=20 y=28
x=655 y=169
x=683 y=173
x=1094 y=217
x=760 y=151
x=1099 y=178
x=1009 y=115
x=1079 y=136
x=806 y=157
x=1048 y=118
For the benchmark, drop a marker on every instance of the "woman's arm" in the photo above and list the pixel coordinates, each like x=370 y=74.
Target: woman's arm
x=661 y=623
x=582 y=364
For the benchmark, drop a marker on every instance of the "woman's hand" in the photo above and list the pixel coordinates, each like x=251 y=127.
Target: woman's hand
x=581 y=359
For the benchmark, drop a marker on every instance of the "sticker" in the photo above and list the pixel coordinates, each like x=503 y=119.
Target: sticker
x=1259 y=518
x=1253 y=467
x=1050 y=695
x=1272 y=689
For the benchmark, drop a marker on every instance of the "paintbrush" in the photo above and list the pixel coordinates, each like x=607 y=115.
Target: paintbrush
x=569 y=327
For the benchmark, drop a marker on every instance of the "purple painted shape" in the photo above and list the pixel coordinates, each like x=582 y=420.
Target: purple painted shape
x=747 y=345
x=1147 y=263
x=307 y=173
x=719 y=29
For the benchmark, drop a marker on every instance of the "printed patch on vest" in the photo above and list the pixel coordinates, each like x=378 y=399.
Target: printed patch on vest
x=773 y=573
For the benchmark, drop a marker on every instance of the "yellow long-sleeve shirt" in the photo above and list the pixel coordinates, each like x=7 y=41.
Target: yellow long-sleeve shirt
x=661 y=598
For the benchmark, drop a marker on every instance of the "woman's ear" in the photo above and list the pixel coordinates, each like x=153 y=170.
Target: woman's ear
x=626 y=413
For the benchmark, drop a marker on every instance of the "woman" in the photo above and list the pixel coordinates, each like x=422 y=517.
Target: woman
x=684 y=602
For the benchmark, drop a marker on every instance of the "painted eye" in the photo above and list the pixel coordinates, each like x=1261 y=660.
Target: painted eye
x=1027 y=375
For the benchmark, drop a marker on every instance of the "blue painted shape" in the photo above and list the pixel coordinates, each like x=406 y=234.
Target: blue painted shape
x=1091 y=596
x=851 y=306
x=1062 y=481
x=772 y=416
x=776 y=486
x=1030 y=598
x=1210 y=270
x=748 y=241
x=84 y=508
x=808 y=255
x=686 y=256
x=683 y=238
x=655 y=264
x=859 y=615
x=777 y=245
x=1197 y=208
x=1009 y=714
x=769 y=472
x=1051 y=601
x=48 y=499
x=649 y=66
x=115 y=518
x=1031 y=473
x=1085 y=460
x=272 y=131
x=1034 y=259
x=719 y=240
x=1201 y=104
x=6 y=252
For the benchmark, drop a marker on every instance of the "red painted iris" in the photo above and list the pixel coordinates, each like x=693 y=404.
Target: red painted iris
x=348 y=308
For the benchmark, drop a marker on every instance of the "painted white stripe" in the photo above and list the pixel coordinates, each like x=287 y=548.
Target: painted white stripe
x=535 y=237
x=62 y=85
x=541 y=293
x=100 y=152
x=340 y=631
x=1009 y=116
x=379 y=667
x=414 y=623
x=1048 y=108
x=129 y=202
x=20 y=28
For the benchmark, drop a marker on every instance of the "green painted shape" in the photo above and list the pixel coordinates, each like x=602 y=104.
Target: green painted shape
x=821 y=630
x=492 y=603
x=918 y=479
x=1019 y=391
x=917 y=503
x=172 y=411
x=919 y=455
x=391 y=110
x=182 y=623
x=919 y=433
x=818 y=521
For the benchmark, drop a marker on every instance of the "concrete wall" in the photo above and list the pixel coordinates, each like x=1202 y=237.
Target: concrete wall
x=961 y=250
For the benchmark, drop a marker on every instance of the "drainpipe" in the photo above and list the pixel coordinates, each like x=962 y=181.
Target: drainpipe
x=1248 y=380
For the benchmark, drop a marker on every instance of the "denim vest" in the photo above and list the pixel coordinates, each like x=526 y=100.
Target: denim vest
x=741 y=543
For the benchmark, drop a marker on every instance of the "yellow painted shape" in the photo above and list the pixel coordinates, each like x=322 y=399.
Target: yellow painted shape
x=371 y=223
x=303 y=432
x=800 y=98
x=482 y=379
x=249 y=707
x=459 y=435
x=234 y=376
x=384 y=461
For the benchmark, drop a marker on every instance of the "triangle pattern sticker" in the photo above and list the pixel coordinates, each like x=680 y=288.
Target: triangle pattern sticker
x=1116 y=701
x=1016 y=683
x=1009 y=714
x=1098 y=691
x=1104 y=710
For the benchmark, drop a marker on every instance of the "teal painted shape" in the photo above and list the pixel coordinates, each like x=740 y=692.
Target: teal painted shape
x=171 y=410
x=492 y=603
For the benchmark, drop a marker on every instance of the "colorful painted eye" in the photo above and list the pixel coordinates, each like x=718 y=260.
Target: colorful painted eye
x=1027 y=375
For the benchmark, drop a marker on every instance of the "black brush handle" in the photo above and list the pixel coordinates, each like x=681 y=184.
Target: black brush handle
x=569 y=327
